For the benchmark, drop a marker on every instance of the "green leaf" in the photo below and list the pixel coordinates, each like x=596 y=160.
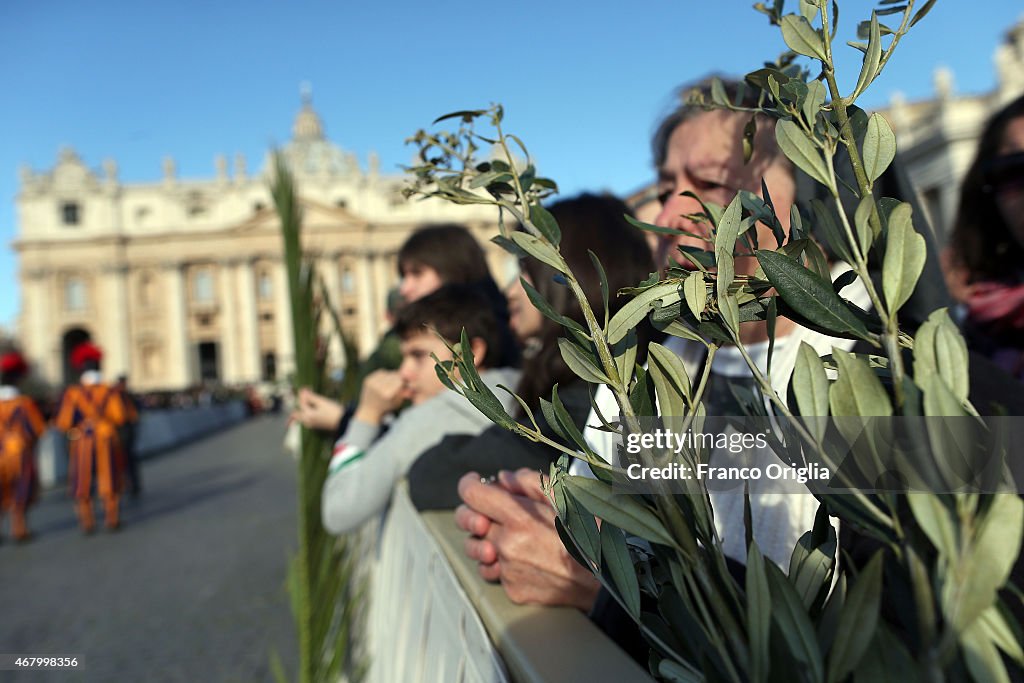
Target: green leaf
x=548 y=410
x=862 y=221
x=730 y=311
x=982 y=657
x=636 y=309
x=542 y=305
x=812 y=560
x=872 y=58
x=923 y=12
x=801 y=37
x=998 y=630
x=809 y=295
x=995 y=550
x=771 y=319
x=858 y=391
x=602 y=277
x=649 y=227
x=879 y=147
x=816 y=93
x=485 y=179
x=679 y=329
x=728 y=228
x=533 y=246
x=936 y=520
x=828 y=227
x=890 y=662
x=572 y=545
x=696 y=292
x=939 y=401
x=625 y=512
x=939 y=349
x=793 y=624
x=620 y=566
x=759 y=614
x=749 y=131
x=905 y=254
x=509 y=246
x=671 y=383
x=583 y=527
x=568 y=426
x=466 y=115
x=810 y=388
x=581 y=363
x=546 y=223
x=674 y=672
x=801 y=151
x=857 y=621
x=624 y=353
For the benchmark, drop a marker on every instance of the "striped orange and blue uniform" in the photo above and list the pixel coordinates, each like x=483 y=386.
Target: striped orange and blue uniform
x=90 y=416
x=21 y=425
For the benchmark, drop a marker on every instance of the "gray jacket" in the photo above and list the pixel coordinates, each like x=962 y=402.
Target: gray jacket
x=365 y=468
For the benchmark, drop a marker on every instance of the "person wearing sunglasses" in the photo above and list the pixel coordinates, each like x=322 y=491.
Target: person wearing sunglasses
x=985 y=259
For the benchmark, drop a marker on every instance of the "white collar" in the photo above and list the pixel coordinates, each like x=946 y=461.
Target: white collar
x=8 y=392
x=90 y=377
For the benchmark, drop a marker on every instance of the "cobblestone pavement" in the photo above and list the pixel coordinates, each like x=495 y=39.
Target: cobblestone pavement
x=190 y=589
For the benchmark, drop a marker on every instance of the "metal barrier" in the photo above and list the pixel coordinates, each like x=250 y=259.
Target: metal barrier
x=157 y=430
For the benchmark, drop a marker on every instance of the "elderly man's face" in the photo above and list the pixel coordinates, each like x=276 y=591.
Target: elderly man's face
x=705 y=156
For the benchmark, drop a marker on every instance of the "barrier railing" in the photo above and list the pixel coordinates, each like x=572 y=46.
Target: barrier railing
x=434 y=619
x=157 y=430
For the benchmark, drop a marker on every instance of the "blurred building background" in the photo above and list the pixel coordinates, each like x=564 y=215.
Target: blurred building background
x=937 y=138
x=181 y=281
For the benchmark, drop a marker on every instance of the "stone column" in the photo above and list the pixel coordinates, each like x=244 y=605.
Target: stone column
x=249 y=343
x=118 y=352
x=178 y=374
x=366 y=310
x=229 y=339
x=42 y=341
x=285 y=350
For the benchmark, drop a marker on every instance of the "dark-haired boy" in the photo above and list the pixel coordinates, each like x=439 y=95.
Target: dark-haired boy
x=366 y=463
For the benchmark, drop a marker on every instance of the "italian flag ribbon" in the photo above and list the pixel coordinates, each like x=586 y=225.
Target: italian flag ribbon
x=344 y=454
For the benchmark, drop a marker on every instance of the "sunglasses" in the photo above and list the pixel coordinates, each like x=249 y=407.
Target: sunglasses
x=1004 y=173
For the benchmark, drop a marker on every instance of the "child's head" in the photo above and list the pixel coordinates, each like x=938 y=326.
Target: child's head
x=448 y=310
x=439 y=255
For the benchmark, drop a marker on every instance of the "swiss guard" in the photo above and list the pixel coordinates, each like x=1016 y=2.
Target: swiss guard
x=90 y=413
x=21 y=424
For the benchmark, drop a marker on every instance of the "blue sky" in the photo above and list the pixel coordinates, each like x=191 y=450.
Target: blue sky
x=582 y=83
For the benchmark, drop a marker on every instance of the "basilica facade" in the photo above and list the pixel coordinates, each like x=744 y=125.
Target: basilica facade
x=182 y=281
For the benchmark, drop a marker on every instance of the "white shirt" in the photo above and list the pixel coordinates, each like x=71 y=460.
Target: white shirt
x=780 y=513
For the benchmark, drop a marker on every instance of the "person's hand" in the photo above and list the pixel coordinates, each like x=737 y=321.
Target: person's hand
x=383 y=392
x=515 y=542
x=317 y=412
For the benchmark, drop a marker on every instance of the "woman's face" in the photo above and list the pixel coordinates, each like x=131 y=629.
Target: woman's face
x=1010 y=193
x=523 y=318
x=418 y=281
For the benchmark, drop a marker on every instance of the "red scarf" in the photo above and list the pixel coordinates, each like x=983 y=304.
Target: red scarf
x=998 y=305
